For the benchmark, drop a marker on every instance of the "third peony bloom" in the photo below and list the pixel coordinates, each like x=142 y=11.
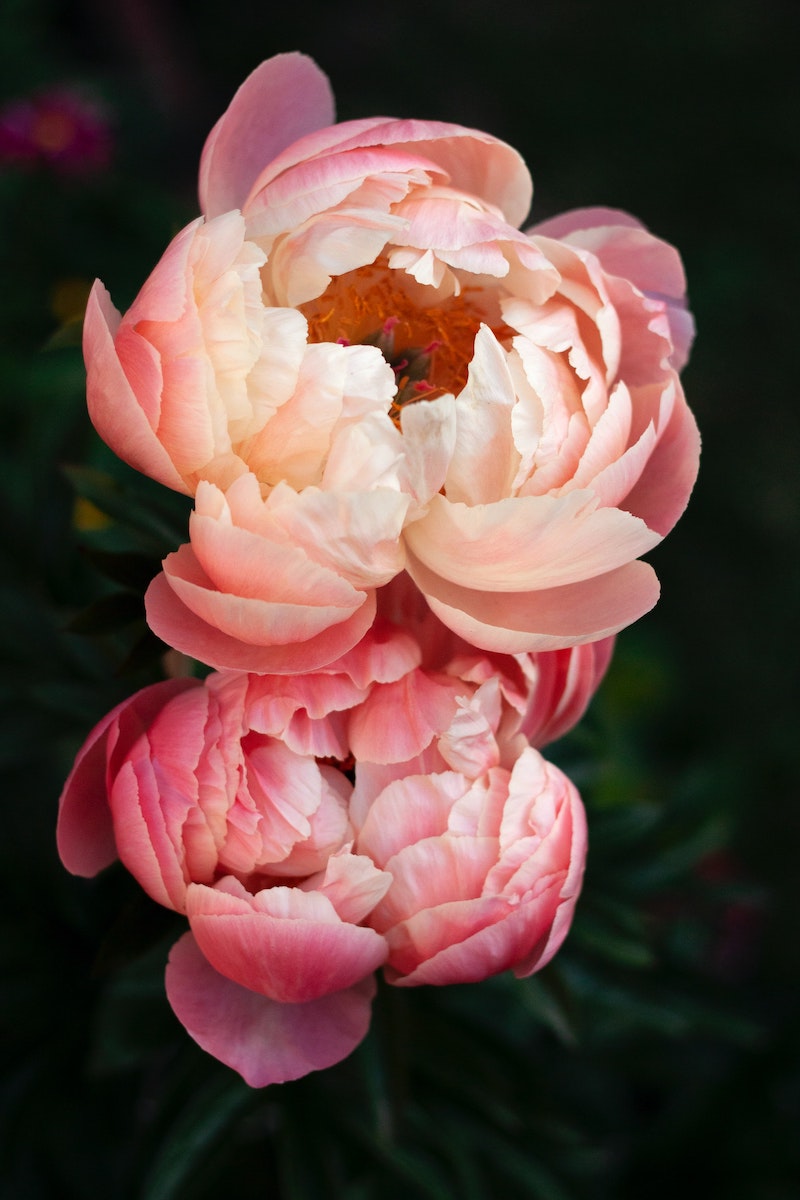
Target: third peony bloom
x=359 y=365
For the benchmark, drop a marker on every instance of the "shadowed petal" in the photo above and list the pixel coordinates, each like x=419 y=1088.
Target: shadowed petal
x=266 y=1042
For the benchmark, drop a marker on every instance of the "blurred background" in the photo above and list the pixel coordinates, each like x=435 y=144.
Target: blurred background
x=661 y=1049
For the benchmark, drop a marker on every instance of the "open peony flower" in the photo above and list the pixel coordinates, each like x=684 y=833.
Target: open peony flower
x=359 y=365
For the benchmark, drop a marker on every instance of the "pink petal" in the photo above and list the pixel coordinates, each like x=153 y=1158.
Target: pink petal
x=546 y=619
x=495 y=946
x=352 y=883
x=285 y=98
x=287 y=944
x=484 y=459
x=294 y=601
x=85 y=833
x=527 y=542
x=466 y=159
x=408 y=811
x=385 y=654
x=582 y=218
x=433 y=872
x=265 y=1041
x=398 y=720
x=566 y=681
x=663 y=490
x=119 y=408
x=176 y=624
x=625 y=248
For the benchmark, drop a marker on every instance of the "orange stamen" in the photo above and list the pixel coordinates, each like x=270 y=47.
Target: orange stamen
x=429 y=348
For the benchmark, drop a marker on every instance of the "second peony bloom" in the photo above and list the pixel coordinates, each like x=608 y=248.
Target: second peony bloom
x=384 y=811
x=358 y=365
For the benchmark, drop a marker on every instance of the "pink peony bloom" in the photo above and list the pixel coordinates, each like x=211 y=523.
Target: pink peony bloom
x=485 y=872
x=237 y=800
x=360 y=365
x=252 y=840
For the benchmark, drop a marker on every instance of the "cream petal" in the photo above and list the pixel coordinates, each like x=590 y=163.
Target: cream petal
x=527 y=541
x=484 y=459
x=125 y=414
x=546 y=619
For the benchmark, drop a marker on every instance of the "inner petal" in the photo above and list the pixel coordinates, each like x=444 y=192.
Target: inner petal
x=429 y=347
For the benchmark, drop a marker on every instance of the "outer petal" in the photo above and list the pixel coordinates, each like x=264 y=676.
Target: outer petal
x=287 y=944
x=625 y=248
x=154 y=795
x=565 y=682
x=662 y=492
x=265 y=1041
x=85 y=832
x=284 y=98
x=494 y=946
x=470 y=161
x=546 y=619
x=118 y=412
x=179 y=626
x=527 y=542
x=398 y=720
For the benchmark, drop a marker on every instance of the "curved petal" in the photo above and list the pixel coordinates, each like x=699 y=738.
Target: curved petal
x=467 y=159
x=265 y=1041
x=287 y=944
x=285 y=98
x=117 y=412
x=527 y=542
x=177 y=625
x=626 y=248
x=663 y=489
x=398 y=720
x=265 y=619
x=566 y=681
x=547 y=619
x=495 y=946
x=85 y=832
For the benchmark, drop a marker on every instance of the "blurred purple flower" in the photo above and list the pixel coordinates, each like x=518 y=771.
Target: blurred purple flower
x=58 y=127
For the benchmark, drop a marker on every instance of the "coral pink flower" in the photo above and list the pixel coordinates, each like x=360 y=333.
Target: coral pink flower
x=231 y=800
x=359 y=364
x=485 y=872
x=251 y=839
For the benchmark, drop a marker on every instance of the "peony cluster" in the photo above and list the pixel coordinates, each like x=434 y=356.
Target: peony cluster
x=426 y=451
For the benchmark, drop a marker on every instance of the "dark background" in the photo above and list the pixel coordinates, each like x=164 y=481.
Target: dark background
x=662 y=1052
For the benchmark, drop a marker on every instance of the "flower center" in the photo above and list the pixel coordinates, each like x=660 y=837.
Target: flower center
x=429 y=348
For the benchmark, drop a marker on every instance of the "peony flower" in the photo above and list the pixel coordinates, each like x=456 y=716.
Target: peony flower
x=253 y=842
x=359 y=365
x=485 y=872
x=237 y=800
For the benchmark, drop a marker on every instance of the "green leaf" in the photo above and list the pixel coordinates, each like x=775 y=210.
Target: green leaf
x=201 y=1125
